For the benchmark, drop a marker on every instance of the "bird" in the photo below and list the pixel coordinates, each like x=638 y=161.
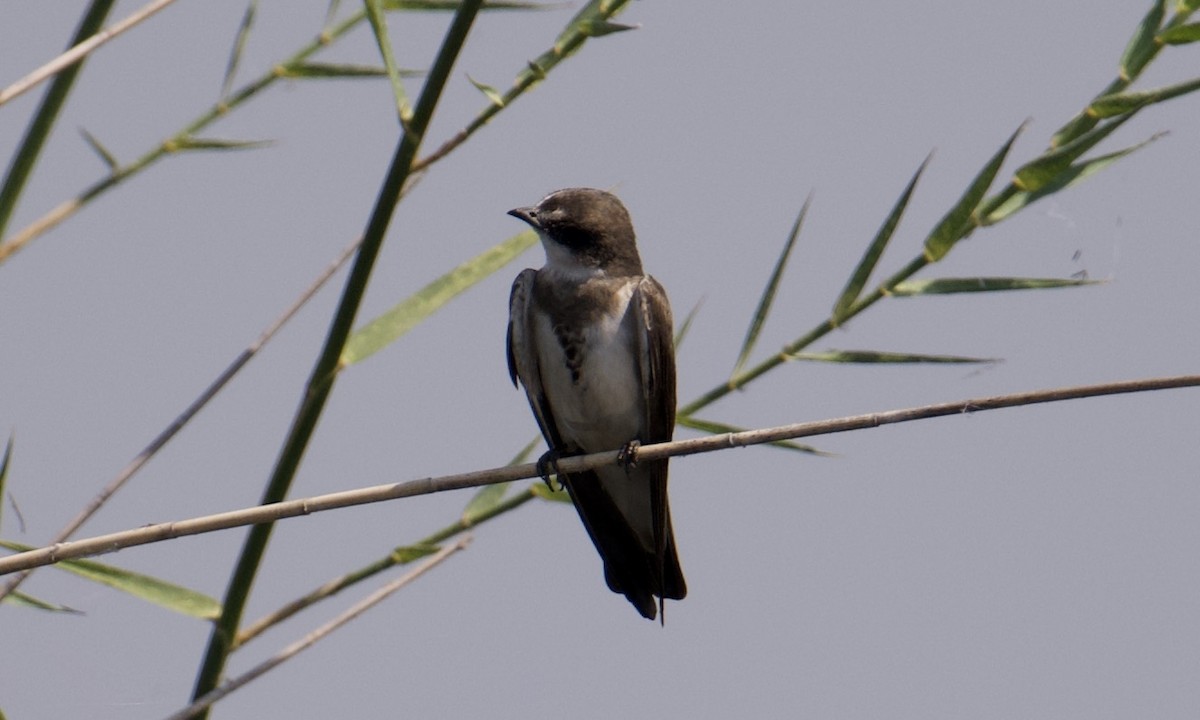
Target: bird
x=590 y=340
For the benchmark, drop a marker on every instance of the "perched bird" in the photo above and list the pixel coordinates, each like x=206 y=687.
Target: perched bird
x=590 y=339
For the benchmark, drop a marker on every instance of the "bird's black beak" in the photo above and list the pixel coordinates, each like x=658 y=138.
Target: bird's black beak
x=528 y=214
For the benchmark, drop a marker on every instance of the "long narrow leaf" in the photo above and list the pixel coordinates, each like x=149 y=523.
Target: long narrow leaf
x=378 y=21
x=444 y=5
x=239 y=46
x=687 y=324
x=957 y=223
x=19 y=598
x=1142 y=46
x=768 y=296
x=160 y=592
x=879 y=356
x=8 y=447
x=717 y=428
x=1180 y=34
x=485 y=500
x=862 y=273
x=1073 y=175
x=559 y=495
x=323 y=71
x=949 y=286
x=387 y=328
x=195 y=143
x=105 y=156
x=1110 y=105
x=1047 y=167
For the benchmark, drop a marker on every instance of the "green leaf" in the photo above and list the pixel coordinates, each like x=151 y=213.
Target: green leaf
x=1180 y=34
x=488 y=497
x=1047 y=167
x=19 y=598
x=539 y=489
x=949 y=286
x=105 y=156
x=687 y=324
x=1073 y=175
x=878 y=356
x=389 y=327
x=716 y=428
x=378 y=22
x=484 y=501
x=407 y=553
x=488 y=91
x=768 y=296
x=958 y=223
x=1142 y=46
x=160 y=592
x=321 y=71
x=8 y=447
x=239 y=45
x=1110 y=105
x=443 y=5
x=862 y=273
x=187 y=142
x=601 y=27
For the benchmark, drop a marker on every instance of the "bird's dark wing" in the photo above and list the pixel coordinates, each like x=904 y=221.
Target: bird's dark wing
x=656 y=356
x=523 y=355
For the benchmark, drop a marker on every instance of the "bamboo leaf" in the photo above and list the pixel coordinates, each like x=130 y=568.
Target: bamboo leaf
x=444 y=5
x=105 y=156
x=408 y=553
x=8 y=447
x=378 y=22
x=1180 y=34
x=17 y=597
x=1110 y=105
x=687 y=324
x=1046 y=168
x=160 y=592
x=949 y=286
x=862 y=273
x=389 y=327
x=488 y=91
x=539 y=489
x=958 y=223
x=878 y=356
x=717 y=428
x=1073 y=175
x=488 y=497
x=601 y=27
x=187 y=142
x=239 y=45
x=1142 y=46
x=322 y=71
x=768 y=296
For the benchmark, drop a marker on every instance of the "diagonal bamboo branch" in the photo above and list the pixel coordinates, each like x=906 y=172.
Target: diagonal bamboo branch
x=79 y=51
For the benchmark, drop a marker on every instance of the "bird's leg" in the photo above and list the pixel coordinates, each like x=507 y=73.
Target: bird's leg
x=547 y=464
x=627 y=455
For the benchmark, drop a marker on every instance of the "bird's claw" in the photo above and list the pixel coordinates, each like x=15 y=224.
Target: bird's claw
x=547 y=464
x=627 y=455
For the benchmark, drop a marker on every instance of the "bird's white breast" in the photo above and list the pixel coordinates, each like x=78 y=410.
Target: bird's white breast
x=602 y=409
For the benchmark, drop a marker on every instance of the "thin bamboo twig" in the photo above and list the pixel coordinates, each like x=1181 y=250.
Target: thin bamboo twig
x=186 y=416
x=659 y=451
x=80 y=51
x=319 y=634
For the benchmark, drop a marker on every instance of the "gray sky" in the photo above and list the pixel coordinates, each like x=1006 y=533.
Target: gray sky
x=1036 y=562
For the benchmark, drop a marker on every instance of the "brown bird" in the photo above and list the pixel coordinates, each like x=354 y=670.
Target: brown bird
x=590 y=339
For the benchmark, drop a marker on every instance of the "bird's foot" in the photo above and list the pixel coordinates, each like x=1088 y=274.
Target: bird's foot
x=627 y=455
x=547 y=465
